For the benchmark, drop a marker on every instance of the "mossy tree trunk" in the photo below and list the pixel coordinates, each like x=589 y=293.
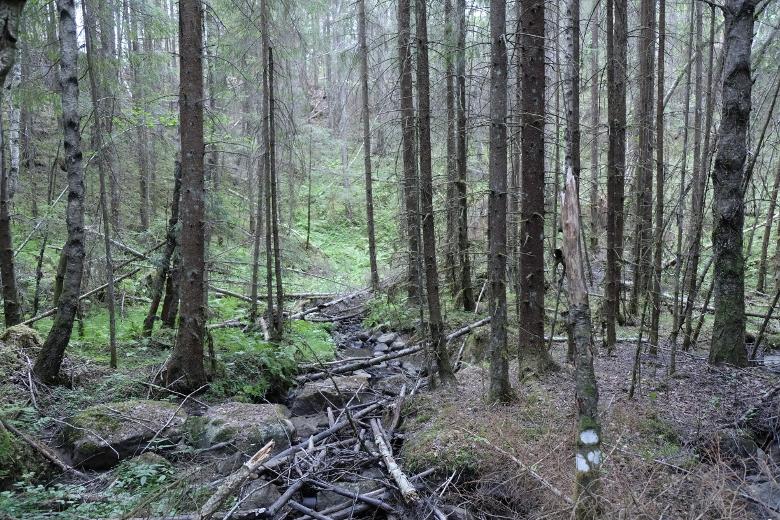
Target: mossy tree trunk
x=728 y=334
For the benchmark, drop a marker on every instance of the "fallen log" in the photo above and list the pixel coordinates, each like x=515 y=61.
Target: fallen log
x=321 y=307
x=261 y=297
x=351 y=494
x=234 y=481
x=282 y=457
x=408 y=491
x=316 y=376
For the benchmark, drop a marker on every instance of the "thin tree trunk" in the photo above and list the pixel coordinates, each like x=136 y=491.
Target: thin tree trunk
x=435 y=323
x=595 y=117
x=644 y=177
x=500 y=390
x=164 y=270
x=101 y=127
x=761 y=283
x=184 y=369
x=170 y=306
x=617 y=33
x=47 y=365
x=461 y=187
x=408 y=151
x=533 y=355
x=728 y=333
x=278 y=316
x=680 y=212
x=699 y=181
x=450 y=248
x=367 y=144
x=659 y=182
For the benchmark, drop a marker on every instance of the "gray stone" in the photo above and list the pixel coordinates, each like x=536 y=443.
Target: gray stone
x=387 y=337
x=315 y=396
x=259 y=494
x=246 y=426
x=398 y=344
x=381 y=347
x=102 y=435
x=392 y=384
x=308 y=425
x=230 y=463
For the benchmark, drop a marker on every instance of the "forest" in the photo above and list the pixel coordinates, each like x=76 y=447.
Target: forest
x=389 y=259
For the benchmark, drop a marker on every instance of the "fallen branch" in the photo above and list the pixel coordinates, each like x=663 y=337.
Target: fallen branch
x=316 y=376
x=408 y=492
x=234 y=481
x=321 y=307
x=261 y=297
x=42 y=449
x=53 y=310
x=351 y=494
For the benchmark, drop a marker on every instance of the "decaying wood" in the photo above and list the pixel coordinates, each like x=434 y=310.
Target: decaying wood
x=351 y=494
x=41 y=448
x=234 y=481
x=260 y=297
x=321 y=307
x=408 y=492
x=368 y=362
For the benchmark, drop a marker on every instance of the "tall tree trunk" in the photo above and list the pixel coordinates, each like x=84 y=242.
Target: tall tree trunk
x=435 y=324
x=278 y=316
x=728 y=333
x=11 y=11
x=595 y=117
x=164 y=270
x=451 y=247
x=407 y=138
x=101 y=127
x=184 y=369
x=617 y=34
x=588 y=457
x=47 y=366
x=699 y=181
x=644 y=176
x=142 y=133
x=680 y=212
x=533 y=353
x=461 y=186
x=367 y=144
x=500 y=390
x=761 y=283
x=659 y=182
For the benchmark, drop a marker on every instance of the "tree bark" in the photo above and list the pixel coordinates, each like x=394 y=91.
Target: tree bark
x=533 y=355
x=658 y=235
x=407 y=139
x=588 y=456
x=367 y=144
x=279 y=314
x=595 y=117
x=10 y=19
x=617 y=34
x=164 y=269
x=461 y=187
x=47 y=365
x=101 y=127
x=500 y=389
x=184 y=369
x=435 y=324
x=728 y=334
x=644 y=173
x=451 y=244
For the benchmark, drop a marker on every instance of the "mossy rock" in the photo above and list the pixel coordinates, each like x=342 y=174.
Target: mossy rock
x=102 y=435
x=16 y=459
x=246 y=427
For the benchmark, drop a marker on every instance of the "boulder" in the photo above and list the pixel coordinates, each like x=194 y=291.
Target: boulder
x=259 y=494
x=246 y=426
x=381 y=348
x=102 y=435
x=392 y=384
x=398 y=344
x=308 y=425
x=315 y=397
x=387 y=337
